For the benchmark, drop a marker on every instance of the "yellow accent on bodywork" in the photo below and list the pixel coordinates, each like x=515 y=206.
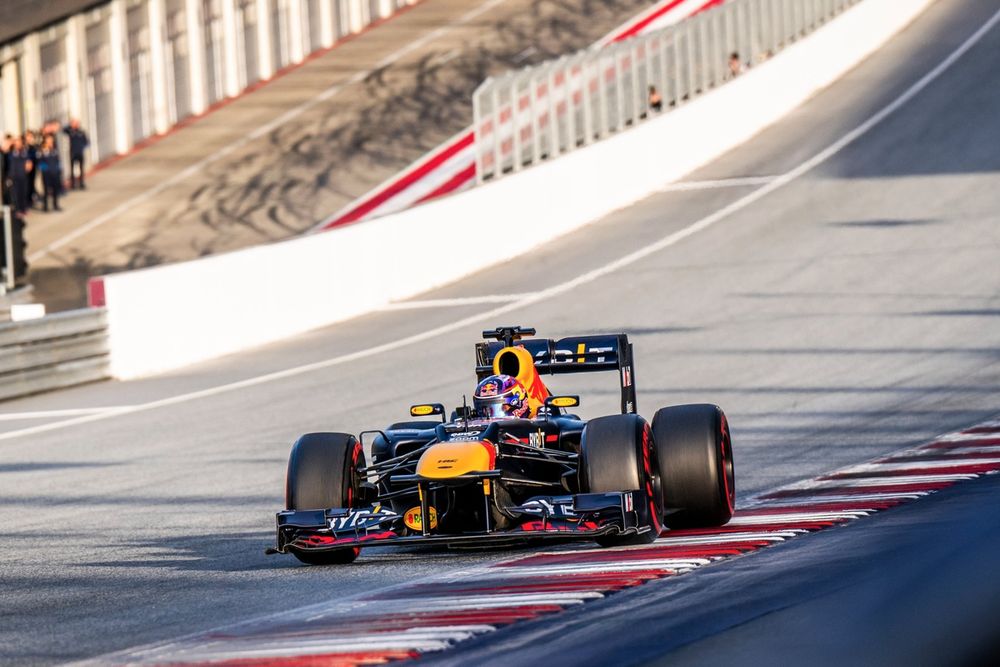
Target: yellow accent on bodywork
x=451 y=459
x=525 y=372
x=564 y=401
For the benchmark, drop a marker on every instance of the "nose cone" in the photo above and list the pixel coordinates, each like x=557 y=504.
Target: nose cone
x=452 y=459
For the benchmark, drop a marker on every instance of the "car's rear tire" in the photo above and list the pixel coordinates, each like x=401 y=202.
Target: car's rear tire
x=697 y=475
x=323 y=473
x=617 y=454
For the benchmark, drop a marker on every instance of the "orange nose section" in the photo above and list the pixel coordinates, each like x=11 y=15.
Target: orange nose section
x=452 y=459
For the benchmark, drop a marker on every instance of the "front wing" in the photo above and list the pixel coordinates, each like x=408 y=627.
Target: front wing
x=580 y=516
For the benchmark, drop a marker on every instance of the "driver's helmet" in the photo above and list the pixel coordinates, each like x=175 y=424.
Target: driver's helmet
x=501 y=396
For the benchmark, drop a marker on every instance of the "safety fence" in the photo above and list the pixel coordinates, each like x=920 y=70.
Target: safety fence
x=52 y=352
x=451 y=167
x=540 y=112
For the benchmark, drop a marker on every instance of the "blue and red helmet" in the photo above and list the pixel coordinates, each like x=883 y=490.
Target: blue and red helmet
x=499 y=397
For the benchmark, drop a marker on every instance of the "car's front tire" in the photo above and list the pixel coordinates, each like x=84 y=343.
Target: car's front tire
x=617 y=454
x=323 y=473
x=697 y=475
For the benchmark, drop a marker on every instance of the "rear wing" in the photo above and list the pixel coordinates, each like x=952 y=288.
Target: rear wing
x=575 y=354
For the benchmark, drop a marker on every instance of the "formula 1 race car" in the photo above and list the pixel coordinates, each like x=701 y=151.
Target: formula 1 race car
x=513 y=467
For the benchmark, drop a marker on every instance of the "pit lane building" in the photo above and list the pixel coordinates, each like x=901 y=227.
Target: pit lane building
x=129 y=69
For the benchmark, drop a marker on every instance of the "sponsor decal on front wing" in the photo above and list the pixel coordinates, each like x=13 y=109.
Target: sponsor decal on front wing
x=363 y=519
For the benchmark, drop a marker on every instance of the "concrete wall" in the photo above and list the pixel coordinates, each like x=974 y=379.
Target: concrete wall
x=166 y=317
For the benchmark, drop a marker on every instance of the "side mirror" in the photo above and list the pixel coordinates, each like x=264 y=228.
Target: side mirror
x=427 y=409
x=562 y=401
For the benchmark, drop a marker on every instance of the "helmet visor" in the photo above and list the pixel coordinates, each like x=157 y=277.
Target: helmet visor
x=491 y=408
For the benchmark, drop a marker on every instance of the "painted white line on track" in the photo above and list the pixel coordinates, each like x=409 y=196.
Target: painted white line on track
x=335 y=633
x=623 y=566
x=663 y=243
x=52 y=414
x=943 y=466
x=389 y=642
x=533 y=574
x=724 y=538
x=971 y=438
x=962 y=437
x=261 y=646
x=751 y=520
x=748 y=181
x=879 y=482
x=966 y=454
x=818 y=499
x=451 y=303
x=442 y=604
x=280 y=121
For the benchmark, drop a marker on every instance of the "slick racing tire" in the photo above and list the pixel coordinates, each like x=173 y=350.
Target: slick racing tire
x=322 y=473
x=695 y=454
x=617 y=454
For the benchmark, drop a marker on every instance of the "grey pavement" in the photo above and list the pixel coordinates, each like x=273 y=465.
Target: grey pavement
x=847 y=314
x=343 y=123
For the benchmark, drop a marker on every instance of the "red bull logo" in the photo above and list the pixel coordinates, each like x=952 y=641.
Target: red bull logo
x=518 y=362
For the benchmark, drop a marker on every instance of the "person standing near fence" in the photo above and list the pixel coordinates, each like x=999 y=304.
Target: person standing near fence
x=6 y=198
x=31 y=144
x=18 y=167
x=51 y=168
x=655 y=100
x=78 y=143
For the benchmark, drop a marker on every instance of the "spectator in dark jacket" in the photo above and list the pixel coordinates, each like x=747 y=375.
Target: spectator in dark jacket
x=32 y=144
x=51 y=168
x=6 y=197
x=78 y=143
x=18 y=167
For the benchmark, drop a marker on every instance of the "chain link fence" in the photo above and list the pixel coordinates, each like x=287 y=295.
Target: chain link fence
x=540 y=112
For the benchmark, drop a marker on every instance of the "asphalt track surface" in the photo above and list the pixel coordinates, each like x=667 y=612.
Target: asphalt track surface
x=849 y=313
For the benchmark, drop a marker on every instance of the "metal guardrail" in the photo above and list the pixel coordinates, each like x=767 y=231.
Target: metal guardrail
x=540 y=112
x=53 y=352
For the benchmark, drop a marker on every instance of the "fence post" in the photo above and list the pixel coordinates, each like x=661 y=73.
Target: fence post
x=604 y=104
x=477 y=131
x=515 y=112
x=10 y=274
x=536 y=146
x=588 y=104
x=667 y=94
x=497 y=137
x=553 y=115
x=571 y=142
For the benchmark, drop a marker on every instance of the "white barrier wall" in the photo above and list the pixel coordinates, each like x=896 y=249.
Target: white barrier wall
x=170 y=316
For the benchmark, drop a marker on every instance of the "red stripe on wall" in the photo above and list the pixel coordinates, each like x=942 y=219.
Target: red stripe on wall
x=406 y=181
x=452 y=184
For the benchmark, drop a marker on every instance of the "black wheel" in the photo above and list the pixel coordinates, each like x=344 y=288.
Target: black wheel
x=617 y=454
x=323 y=473
x=695 y=456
